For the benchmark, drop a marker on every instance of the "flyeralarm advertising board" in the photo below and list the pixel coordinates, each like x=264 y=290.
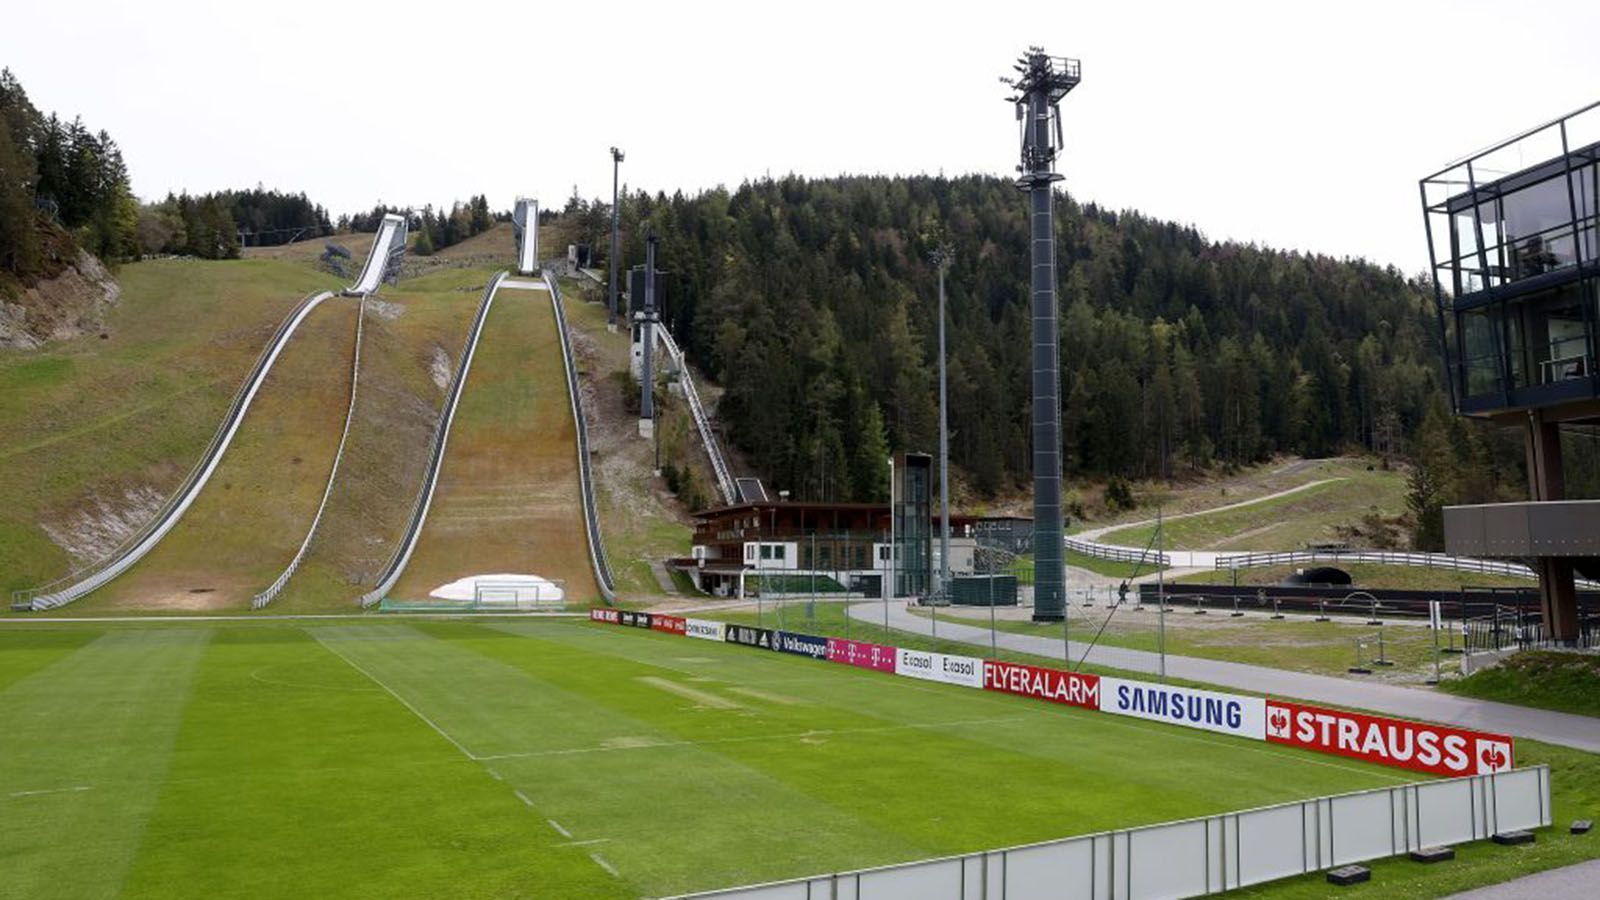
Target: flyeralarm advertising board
x=801 y=644
x=1422 y=746
x=669 y=624
x=1072 y=688
x=941 y=667
x=605 y=615
x=1208 y=710
x=704 y=629
x=861 y=654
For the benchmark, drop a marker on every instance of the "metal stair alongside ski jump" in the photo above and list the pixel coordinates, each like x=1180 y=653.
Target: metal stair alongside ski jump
x=591 y=513
x=81 y=581
x=702 y=422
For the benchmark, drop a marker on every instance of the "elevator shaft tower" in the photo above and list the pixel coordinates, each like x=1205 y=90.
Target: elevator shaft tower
x=1040 y=83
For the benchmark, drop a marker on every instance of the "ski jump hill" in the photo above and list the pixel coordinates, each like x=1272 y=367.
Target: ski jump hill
x=259 y=388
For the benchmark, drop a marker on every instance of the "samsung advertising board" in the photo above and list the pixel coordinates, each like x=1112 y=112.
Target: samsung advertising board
x=704 y=629
x=748 y=635
x=801 y=644
x=942 y=667
x=1207 y=710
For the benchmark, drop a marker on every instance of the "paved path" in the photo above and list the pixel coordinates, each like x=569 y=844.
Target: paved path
x=1581 y=732
x=1572 y=881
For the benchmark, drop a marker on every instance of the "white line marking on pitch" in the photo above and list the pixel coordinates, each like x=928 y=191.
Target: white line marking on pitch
x=601 y=862
x=557 y=826
x=403 y=702
x=588 y=843
x=524 y=798
x=44 y=791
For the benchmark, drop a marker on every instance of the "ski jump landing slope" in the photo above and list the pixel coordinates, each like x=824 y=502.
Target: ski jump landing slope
x=283 y=399
x=508 y=498
x=384 y=259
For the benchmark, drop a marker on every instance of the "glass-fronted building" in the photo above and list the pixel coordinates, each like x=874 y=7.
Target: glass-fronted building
x=1514 y=242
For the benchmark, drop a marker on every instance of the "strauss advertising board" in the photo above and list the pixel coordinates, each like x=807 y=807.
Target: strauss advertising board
x=1422 y=746
x=861 y=654
x=1208 y=710
x=942 y=667
x=1071 y=688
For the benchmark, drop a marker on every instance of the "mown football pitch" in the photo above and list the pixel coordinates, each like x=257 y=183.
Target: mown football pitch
x=498 y=758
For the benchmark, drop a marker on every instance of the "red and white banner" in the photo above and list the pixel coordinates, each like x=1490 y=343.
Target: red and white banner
x=1422 y=746
x=1073 y=688
x=605 y=615
x=861 y=654
x=669 y=624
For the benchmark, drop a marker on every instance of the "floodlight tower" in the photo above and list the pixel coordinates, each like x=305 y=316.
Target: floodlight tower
x=647 y=339
x=611 y=308
x=942 y=256
x=1041 y=81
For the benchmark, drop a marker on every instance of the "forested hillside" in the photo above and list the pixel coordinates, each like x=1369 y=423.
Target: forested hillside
x=815 y=304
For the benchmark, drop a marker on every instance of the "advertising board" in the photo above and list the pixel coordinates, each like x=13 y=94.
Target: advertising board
x=669 y=624
x=704 y=629
x=1421 y=746
x=941 y=667
x=748 y=635
x=1072 y=688
x=1208 y=710
x=605 y=615
x=861 y=654
x=801 y=644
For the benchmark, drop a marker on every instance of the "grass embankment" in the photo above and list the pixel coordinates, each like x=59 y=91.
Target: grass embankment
x=493 y=758
x=246 y=525
x=94 y=433
x=638 y=519
x=508 y=499
x=1314 y=513
x=1365 y=575
x=1297 y=644
x=1565 y=682
x=411 y=347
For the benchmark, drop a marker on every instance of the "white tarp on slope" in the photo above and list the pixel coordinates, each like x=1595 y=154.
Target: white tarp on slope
x=500 y=587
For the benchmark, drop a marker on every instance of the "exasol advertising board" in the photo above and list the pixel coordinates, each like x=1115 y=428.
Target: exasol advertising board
x=1424 y=747
x=1073 y=688
x=963 y=670
x=1223 y=713
x=861 y=654
x=704 y=629
x=801 y=644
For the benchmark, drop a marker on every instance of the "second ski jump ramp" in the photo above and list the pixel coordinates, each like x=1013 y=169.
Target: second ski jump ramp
x=508 y=496
x=388 y=247
x=525 y=219
x=145 y=540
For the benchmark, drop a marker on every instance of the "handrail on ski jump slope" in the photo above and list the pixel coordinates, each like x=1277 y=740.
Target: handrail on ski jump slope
x=79 y=582
x=591 y=513
x=702 y=422
x=277 y=586
x=388 y=243
x=441 y=436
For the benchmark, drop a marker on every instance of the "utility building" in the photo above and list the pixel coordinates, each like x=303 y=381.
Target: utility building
x=1516 y=269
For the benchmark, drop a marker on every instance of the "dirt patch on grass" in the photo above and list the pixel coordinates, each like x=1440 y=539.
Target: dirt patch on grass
x=101 y=522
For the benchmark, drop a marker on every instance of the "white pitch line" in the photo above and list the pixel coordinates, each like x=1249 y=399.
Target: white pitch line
x=524 y=798
x=601 y=862
x=41 y=793
x=590 y=842
x=557 y=826
x=788 y=735
x=403 y=702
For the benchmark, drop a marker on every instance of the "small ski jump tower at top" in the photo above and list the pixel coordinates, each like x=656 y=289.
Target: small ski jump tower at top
x=525 y=222
x=1040 y=83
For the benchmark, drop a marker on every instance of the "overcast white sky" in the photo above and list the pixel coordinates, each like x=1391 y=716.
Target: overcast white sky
x=1295 y=124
